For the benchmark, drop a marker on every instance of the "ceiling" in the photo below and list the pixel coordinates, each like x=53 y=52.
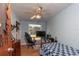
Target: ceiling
x=24 y=11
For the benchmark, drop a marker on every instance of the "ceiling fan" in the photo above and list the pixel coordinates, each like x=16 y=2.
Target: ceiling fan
x=38 y=13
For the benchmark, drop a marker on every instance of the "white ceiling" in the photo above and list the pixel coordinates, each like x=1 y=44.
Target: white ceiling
x=25 y=10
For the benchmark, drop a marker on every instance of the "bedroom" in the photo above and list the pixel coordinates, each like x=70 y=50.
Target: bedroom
x=57 y=20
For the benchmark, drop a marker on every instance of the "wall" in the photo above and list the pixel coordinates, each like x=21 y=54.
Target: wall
x=65 y=26
x=24 y=28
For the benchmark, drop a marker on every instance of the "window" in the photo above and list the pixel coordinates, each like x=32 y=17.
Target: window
x=33 y=28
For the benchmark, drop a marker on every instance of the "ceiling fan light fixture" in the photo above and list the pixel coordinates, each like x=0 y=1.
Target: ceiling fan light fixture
x=37 y=14
x=33 y=17
x=39 y=9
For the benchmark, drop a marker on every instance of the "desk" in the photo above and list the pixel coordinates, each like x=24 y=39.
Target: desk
x=35 y=38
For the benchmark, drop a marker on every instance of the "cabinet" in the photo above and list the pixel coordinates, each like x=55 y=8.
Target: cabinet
x=17 y=48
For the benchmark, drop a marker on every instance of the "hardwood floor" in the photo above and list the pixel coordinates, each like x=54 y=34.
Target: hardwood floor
x=29 y=51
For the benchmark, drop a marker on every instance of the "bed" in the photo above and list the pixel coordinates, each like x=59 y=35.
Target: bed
x=58 y=49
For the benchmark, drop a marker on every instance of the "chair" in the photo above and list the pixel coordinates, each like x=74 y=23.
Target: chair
x=28 y=40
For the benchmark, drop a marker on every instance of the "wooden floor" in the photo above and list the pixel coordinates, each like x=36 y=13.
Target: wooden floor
x=29 y=51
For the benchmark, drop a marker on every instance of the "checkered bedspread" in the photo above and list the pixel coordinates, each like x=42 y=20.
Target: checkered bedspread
x=57 y=49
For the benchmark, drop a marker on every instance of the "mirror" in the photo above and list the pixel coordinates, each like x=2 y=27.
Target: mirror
x=1 y=43
x=3 y=18
x=3 y=25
